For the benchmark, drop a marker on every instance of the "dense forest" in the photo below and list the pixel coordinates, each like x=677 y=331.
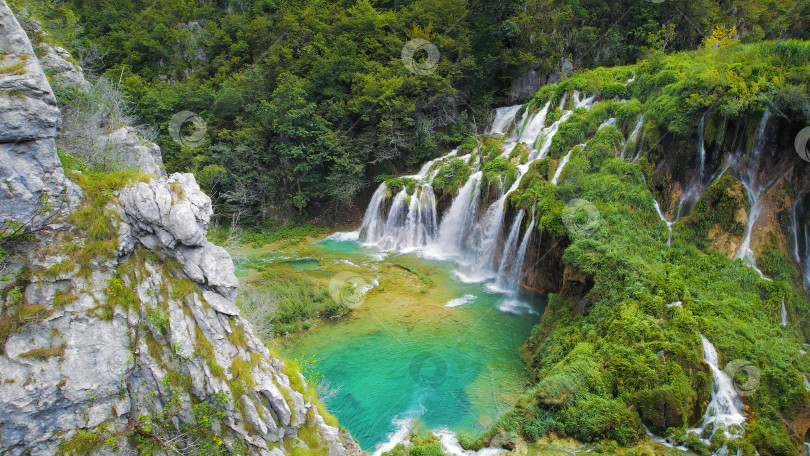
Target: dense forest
x=593 y=205
x=307 y=104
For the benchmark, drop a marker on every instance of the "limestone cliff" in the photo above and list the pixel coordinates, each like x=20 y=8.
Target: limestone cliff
x=32 y=182
x=119 y=331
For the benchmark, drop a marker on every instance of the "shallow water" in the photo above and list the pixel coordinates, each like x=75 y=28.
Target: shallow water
x=404 y=352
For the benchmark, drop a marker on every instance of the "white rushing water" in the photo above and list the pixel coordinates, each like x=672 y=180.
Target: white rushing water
x=661 y=215
x=466 y=299
x=503 y=118
x=633 y=135
x=725 y=408
x=560 y=167
x=784 y=320
x=450 y=445
x=754 y=190
x=469 y=232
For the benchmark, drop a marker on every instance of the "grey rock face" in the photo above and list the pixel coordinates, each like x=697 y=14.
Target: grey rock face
x=66 y=72
x=157 y=320
x=107 y=370
x=31 y=175
x=144 y=155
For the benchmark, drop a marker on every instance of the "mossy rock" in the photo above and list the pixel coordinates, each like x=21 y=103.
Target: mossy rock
x=718 y=219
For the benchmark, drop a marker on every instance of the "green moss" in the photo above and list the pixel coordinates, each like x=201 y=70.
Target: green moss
x=722 y=205
x=94 y=218
x=44 y=354
x=396 y=185
x=451 y=176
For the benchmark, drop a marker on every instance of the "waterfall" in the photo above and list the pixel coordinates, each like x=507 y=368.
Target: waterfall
x=633 y=135
x=460 y=219
x=754 y=192
x=560 y=167
x=509 y=257
x=373 y=229
x=725 y=408
x=784 y=321
x=661 y=214
x=608 y=123
x=472 y=236
x=535 y=126
x=806 y=383
x=548 y=134
x=521 y=256
x=702 y=146
x=503 y=118
x=801 y=240
x=491 y=228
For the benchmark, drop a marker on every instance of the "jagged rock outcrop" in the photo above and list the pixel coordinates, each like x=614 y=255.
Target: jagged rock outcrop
x=138 y=330
x=118 y=323
x=32 y=182
x=135 y=151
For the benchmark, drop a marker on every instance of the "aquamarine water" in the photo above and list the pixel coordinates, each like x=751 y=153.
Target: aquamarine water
x=403 y=354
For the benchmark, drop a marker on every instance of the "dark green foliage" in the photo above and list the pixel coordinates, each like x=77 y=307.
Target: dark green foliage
x=396 y=185
x=614 y=355
x=306 y=103
x=717 y=206
x=267 y=234
x=451 y=176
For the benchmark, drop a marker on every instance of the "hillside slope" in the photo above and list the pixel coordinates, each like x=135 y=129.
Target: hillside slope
x=118 y=326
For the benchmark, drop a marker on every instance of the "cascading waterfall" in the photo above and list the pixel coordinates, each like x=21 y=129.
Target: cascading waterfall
x=633 y=135
x=535 y=126
x=560 y=167
x=373 y=225
x=459 y=221
x=562 y=164
x=467 y=233
x=608 y=123
x=801 y=240
x=661 y=215
x=503 y=118
x=508 y=259
x=702 y=147
x=748 y=179
x=724 y=411
x=784 y=320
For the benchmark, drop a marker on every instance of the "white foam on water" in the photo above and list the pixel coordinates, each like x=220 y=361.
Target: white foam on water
x=515 y=306
x=471 y=276
x=450 y=445
x=344 y=236
x=404 y=426
x=346 y=262
x=466 y=299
